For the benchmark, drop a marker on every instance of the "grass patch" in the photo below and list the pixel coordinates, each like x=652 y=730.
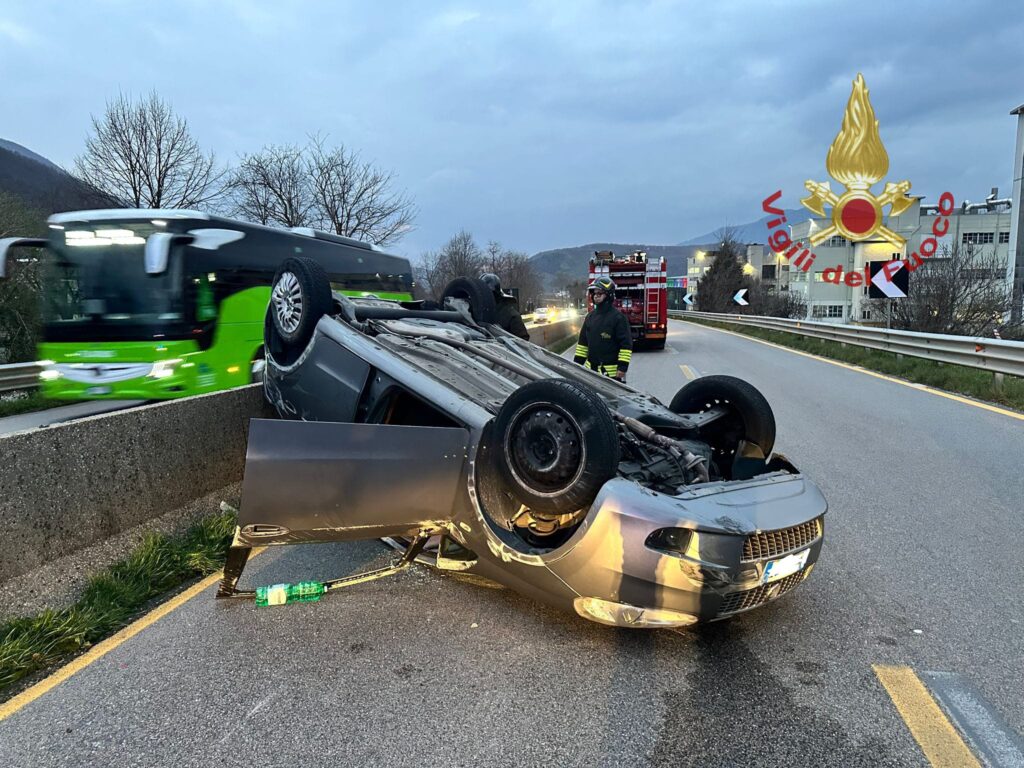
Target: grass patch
x=113 y=597
x=26 y=402
x=563 y=344
x=952 y=378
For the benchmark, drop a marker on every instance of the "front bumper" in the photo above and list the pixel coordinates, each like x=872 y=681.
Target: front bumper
x=734 y=531
x=117 y=381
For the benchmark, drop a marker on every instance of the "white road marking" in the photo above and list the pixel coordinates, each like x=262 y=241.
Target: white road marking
x=991 y=738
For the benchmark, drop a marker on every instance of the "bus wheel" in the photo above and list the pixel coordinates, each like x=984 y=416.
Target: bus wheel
x=300 y=296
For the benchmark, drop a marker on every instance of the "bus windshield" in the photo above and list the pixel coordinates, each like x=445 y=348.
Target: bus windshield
x=96 y=284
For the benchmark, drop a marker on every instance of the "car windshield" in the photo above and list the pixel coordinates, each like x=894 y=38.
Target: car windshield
x=96 y=277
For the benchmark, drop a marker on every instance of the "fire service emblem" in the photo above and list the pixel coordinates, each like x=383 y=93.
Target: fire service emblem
x=857 y=159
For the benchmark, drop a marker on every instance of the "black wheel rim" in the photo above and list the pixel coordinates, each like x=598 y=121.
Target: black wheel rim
x=545 y=448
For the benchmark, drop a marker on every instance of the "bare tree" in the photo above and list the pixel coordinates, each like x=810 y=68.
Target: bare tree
x=272 y=186
x=515 y=270
x=960 y=291
x=19 y=293
x=459 y=257
x=791 y=304
x=355 y=198
x=142 y=153
x=577 y=290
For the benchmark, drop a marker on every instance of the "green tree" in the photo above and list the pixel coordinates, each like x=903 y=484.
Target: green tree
x=20 y=292
x=723 y=278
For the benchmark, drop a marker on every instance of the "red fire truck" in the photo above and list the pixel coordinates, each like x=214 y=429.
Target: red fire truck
x=641 y=293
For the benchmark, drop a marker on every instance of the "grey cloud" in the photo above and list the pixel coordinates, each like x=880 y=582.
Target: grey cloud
x=544 y=124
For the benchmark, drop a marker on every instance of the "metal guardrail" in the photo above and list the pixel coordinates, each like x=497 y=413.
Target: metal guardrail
x=19 y=376
x=994 y=355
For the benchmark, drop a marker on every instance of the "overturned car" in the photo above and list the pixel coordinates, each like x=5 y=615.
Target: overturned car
x=475 y=451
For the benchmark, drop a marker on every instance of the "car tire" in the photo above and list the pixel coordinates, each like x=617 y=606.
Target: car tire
x=477 y=294
x=300 y=295
x=751 y=415
x=558 y=445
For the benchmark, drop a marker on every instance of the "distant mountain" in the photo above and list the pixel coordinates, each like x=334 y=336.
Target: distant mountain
x=573 y=261
x=10 y=146
x=752 y=232
x=43 y=185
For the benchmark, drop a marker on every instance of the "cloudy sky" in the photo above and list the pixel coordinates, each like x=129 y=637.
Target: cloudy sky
x=542 y=124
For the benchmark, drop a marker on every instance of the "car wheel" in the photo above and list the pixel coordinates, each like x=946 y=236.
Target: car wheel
x=477 y=294
x=300 y=295
x=559 y=445
x=749 y=416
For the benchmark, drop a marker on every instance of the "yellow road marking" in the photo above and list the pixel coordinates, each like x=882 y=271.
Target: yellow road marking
x=104 y=647
x=936 y=736
x=894 y=380
x=688 y=372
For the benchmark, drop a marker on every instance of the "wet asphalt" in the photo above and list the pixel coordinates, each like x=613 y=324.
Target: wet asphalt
x=921 y=567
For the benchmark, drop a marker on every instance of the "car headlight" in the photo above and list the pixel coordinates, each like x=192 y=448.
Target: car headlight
x=163 y=369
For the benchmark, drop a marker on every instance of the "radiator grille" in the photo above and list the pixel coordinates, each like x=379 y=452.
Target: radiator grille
x=768 y=545
x=740 y=601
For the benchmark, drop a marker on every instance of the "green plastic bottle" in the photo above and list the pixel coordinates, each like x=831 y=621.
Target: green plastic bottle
x=280 y=594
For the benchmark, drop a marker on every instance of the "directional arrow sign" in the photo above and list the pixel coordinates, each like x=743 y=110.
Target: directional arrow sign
x=688 y=298
x=889 y=278
x=738 y=298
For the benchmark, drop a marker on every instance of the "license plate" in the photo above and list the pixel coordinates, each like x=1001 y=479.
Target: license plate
x=784 y=566
x=99 y=390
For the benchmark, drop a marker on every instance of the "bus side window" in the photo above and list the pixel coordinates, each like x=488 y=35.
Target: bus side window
x=206 y=307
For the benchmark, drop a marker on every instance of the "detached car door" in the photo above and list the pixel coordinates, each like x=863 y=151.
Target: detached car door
x=314 y=481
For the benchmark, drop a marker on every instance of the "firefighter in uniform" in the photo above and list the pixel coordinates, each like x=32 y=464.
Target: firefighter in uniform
x=605 y=343
x=508 y=318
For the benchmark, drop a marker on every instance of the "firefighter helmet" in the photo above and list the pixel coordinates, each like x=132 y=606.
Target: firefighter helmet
x=606 y=284
x=492 y=281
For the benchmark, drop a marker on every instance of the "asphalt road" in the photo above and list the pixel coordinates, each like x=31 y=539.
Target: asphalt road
x=921 y=567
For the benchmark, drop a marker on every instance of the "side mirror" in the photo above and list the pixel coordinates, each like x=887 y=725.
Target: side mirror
x=158 y=250
x=158 y=245
x=16 y=242
x=211 y=239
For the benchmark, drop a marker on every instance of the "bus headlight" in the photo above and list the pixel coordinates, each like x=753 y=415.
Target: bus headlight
x=163 y=369
x=49 y=372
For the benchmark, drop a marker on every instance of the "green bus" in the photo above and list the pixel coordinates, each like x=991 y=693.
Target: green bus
x=154 y=304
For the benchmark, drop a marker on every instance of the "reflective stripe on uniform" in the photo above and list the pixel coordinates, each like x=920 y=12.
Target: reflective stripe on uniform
x=610 y=370
x=625 y=355
x=582 y=351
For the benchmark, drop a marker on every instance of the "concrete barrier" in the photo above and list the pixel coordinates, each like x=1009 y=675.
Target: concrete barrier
x=547 y=334
x=65 y=487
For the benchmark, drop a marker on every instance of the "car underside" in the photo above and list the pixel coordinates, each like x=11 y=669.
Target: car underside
x=476 y=451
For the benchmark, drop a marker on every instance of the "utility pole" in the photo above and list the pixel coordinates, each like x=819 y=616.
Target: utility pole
x=1015 y=257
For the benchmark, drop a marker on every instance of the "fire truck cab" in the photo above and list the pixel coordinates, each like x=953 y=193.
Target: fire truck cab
x=641 y=293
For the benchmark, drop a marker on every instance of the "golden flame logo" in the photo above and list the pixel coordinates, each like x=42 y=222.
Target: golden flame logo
x=857 y=159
